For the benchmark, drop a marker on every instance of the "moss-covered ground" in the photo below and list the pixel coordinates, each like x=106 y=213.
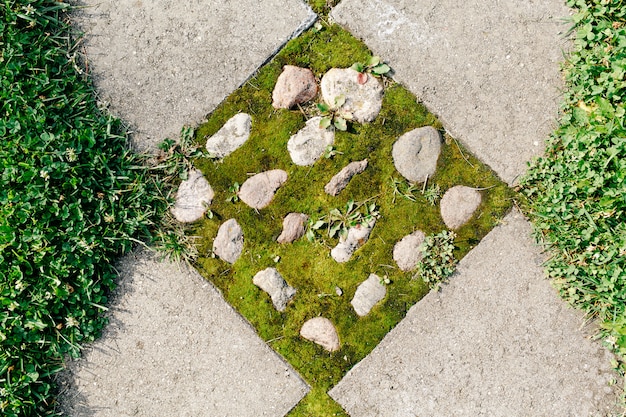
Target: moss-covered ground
x=307 y=265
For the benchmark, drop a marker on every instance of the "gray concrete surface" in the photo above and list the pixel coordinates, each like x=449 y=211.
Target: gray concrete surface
x=496 y=341
x=162 y=64
x=489 y=70
x=174 y=347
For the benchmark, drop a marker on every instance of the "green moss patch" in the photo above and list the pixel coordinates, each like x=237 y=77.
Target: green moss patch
x=307 y=265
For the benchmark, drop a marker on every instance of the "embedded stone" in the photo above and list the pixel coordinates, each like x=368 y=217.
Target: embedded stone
x=293 y=227
x=258 y=191
x=228 y=243
x=367 y=294
x=309 y=144
x=270 y=281
x=407 y=253
x=357 y=237
x=320 y=330
x=193 y=197
x=458 y=205
x=343 y=177
x=294 y=86
x=362 y=101
x=231 y=136
x=415 y=153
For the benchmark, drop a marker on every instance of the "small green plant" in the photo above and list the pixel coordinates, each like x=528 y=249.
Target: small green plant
x=337 y=222
x=432 y=194
x=174 y=159
x=373 y=66
x=403 y=189
x=438 y=261
x=330 y=114
x=331 y=151
x=233 y=191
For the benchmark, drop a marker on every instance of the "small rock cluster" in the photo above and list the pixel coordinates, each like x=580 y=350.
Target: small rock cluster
x=415 y=155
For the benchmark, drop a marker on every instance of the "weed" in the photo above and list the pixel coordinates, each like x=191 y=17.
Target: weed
x=373 y=66
x=73 y=197
x=576 y=191
x=330 y=114
x=438 y=261
x=233 y=193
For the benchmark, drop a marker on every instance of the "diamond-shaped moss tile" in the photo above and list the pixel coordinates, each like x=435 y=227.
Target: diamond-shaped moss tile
x=379 y=196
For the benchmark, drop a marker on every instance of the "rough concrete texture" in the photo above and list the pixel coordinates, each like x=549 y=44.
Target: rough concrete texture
x=490 y=71
x=496 y=341
x=175 y=348
x=162 y=64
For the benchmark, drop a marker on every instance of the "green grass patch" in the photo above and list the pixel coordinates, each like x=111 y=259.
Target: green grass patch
x=73 y=198
x=306 y=265
x=577 y=191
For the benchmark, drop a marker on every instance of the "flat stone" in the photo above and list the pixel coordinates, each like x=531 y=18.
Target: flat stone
x=157 y=65
x=415 y=153
x=496 y=341
x=294 y=86
x=343 y=177
x=363 y=101
x=258 y=191
x=231 y=136
x=270 y=281
x=406 y=252
x=309 y=144
x=165 y=312
x=293 y=227
x=320 y=330
x=357 y=237
x=458 y=205
x=228 y=243
x=193 y=197
x=493 y=79
x=368 y=293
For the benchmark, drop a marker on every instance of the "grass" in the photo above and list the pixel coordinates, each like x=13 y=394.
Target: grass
x=307 y=265
x=577 y=191
x=73 y=198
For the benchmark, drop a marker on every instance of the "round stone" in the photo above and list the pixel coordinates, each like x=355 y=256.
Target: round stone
x=258 y=191
x=362 y=101
x=458 y=205
x=406 y=252
x=193 y=197
x=415 y=153
x=228 y=243
x=320 y=330
x=295 y=85
x=309 y=144
x=231 y=136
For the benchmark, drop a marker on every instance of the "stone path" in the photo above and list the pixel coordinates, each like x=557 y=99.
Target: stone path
x=496 y=341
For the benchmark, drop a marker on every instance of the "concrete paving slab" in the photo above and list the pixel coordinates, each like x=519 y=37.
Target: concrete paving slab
x=175 y=348
x=161 y=64
x=496 y=341
x=489 y=70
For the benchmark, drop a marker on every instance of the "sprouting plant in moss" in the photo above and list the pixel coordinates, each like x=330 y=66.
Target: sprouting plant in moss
x=331 y=151
x=432 y=194
x=403 y=189
x=438 y=261
x=175 y=158
x=233 y=191
x=337 y=222
x=373 y=66
x=330 y=114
